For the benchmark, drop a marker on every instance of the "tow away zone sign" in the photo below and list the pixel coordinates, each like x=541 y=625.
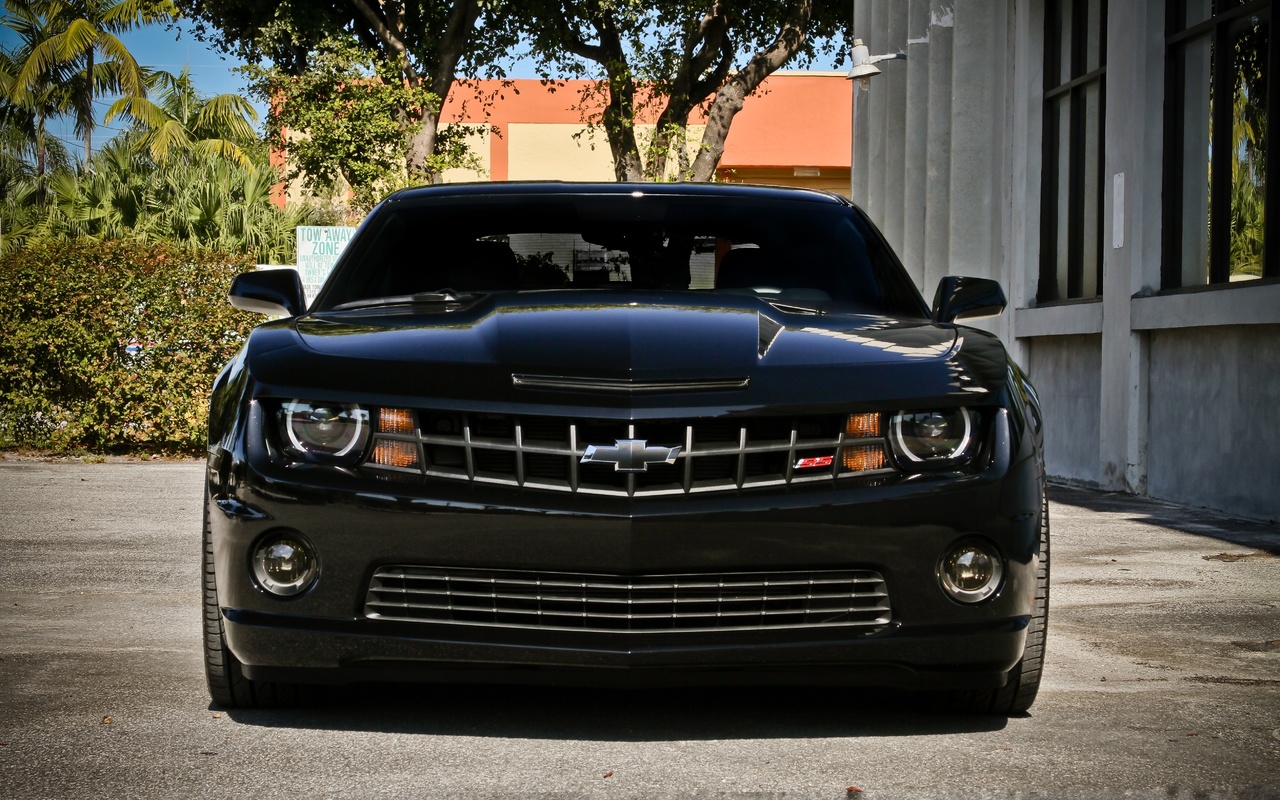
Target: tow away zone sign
x=318 y=249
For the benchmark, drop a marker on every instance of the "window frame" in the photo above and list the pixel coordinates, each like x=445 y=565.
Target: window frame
x=1220 y=28
x=1047 y=292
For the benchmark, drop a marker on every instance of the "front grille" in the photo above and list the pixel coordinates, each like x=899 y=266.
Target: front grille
x=646 y=603
x=715 y=454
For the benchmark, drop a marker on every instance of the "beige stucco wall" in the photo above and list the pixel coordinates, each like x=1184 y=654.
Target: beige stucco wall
x=570 y=151
x=544 y=151
x=477 y=139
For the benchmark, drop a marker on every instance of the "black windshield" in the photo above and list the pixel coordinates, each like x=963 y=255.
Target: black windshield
x=802 y=252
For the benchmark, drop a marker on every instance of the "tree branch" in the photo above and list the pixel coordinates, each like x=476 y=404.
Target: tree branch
x=391 y=38
x=462 y=17
x=619 y=114
x=730 y=98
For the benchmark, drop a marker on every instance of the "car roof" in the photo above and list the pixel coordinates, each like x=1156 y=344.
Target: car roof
x=710 y=190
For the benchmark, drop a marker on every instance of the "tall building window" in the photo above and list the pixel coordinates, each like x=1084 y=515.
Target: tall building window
x=1074 y=101
x=1219 y=185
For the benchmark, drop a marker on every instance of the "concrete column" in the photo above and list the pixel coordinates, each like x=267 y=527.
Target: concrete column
x=1131 y=232
x=1026 y=154
x=871 y=105
x=892 y=87
x=861 y=180
x=977 y=138
x=937 y=204
x=916 y=142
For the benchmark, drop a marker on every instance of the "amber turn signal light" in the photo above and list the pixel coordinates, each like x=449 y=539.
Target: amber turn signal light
x=864 y=458
x=862 y=426
x=395 y=420
x=395 y=453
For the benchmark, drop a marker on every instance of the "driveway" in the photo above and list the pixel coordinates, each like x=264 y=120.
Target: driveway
x=1163 y=681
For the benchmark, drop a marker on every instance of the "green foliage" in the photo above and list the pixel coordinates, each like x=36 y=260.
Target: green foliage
x=365 y=81
x=69 y=312
x=25 y=110
x=1249 y=153
x=198 y=201
x=425 y=39
x=182 y=120
x=358 y=115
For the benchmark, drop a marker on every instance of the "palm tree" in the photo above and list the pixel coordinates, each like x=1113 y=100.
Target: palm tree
x=79 y=50
x=199 y=199
x=181 y=121
x=24 y=112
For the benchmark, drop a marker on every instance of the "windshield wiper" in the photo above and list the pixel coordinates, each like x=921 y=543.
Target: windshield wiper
x=447 y=297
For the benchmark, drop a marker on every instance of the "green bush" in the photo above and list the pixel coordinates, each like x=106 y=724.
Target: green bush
x=113 y=346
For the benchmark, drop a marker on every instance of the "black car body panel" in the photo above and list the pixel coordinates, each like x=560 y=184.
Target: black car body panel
x=497 y=506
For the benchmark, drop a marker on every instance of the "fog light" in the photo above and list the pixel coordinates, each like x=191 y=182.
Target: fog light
x=285 y=565
x=970 y=572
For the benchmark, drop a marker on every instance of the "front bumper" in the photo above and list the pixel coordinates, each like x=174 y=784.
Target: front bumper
x=899 y=528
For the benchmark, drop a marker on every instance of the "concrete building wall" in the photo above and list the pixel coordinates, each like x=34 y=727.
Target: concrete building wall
x=1213 y=439
x=1164 y=393
x=1066 y=372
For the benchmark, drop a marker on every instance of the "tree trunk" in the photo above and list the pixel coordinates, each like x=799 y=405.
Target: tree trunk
x=390 y=30
x=40 y=148
x=698 y=76
x=666 y=134
x=421 y=146
x=731 y=97
x=619 y=127
x=88 y=128
x=620 y=113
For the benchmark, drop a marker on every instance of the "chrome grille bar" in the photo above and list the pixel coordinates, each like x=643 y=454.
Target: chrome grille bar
x=714 y=456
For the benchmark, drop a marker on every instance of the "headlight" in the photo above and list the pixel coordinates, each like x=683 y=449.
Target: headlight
x=327 y=432
x=931 y=437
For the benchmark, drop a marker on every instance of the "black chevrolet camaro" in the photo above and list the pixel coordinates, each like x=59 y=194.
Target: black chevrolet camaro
x=623 y=434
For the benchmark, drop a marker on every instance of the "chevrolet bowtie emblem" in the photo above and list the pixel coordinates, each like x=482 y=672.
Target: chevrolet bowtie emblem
x=630 y=455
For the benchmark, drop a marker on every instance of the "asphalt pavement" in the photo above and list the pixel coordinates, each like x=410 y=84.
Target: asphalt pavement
x=1162 y=681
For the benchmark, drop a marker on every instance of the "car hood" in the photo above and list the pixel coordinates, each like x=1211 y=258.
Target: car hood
x=624 y=350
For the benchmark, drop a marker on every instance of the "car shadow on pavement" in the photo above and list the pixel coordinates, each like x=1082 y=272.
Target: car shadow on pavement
x=629 y=715
x=1195 y=521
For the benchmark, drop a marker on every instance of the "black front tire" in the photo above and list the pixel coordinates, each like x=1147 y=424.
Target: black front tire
x=228 y=687
x=1016 y=696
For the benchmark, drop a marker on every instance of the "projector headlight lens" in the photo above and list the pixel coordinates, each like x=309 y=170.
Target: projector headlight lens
x=932 y=437
x=325 y=432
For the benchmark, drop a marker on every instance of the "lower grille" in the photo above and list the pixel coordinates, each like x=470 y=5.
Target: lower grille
x=613 y=603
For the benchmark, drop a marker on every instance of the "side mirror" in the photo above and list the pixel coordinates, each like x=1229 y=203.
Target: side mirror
x=270 y=291
x=967 y=298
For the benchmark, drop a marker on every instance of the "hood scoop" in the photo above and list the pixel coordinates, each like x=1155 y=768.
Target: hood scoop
x=563 y=383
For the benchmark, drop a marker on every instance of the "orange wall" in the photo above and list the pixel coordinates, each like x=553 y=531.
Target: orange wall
x=794 y=119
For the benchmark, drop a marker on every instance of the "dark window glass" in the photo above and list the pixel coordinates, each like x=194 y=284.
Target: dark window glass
x=1218 y=182
x=788 y=252
x=1071 y=200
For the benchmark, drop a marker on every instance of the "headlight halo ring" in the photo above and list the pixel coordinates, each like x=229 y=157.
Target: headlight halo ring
x=955 y=453
x=331 y=432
